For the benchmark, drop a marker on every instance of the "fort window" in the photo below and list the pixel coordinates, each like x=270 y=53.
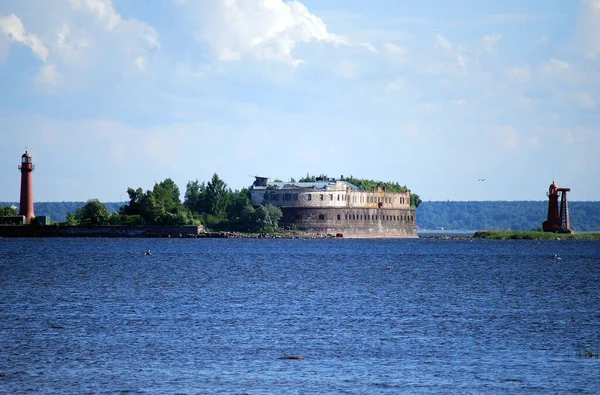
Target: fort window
x=309 y=196
x=321 y=216
x=295 y=196
x=361 y=216
x=346 y=217
x=338 y=216
x=338 y=197
x=331 y=197
x=321 y=196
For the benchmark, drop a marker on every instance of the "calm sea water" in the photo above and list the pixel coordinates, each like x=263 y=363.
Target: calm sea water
x=368 y=316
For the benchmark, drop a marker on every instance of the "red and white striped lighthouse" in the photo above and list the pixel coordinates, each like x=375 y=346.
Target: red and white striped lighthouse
x=26 y=203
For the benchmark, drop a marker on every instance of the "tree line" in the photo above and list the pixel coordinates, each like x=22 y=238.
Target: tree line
x=212 y=204
x=507 y=215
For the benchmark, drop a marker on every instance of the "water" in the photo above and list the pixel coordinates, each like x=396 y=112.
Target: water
x=368 y=316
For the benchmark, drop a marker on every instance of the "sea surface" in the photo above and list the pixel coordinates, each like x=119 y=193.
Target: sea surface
x=367 y=316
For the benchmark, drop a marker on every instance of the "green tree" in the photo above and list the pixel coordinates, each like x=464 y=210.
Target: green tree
x=161 y=206
x=72 y=219
x=93 y=212
x=8 y=211
x=415 y=200
x=115 y=218
x=196 y=197
x=266 y=218
x=217 y=195
x=238 y=208
x=135 y=198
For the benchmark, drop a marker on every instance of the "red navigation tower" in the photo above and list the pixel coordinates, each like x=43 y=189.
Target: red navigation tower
x=558 y=219
x=26 y=204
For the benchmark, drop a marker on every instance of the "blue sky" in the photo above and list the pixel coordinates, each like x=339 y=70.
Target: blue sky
x=432 y=94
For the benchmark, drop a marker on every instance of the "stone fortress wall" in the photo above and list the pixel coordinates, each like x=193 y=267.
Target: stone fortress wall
x=333 y=207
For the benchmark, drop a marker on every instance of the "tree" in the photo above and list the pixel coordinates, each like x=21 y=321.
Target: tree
x=196 y=197
x=217 y=195
x=72 y=219
x=135 y=197
x=162 y=206
x=8 y=211
x=266 y=218
x=94 y=212
x=415 y=200
x=238 y=208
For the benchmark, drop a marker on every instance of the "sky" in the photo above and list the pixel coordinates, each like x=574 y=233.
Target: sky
x=432 y=94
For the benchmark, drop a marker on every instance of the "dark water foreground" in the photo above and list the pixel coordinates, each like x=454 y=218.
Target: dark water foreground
x=368 y=316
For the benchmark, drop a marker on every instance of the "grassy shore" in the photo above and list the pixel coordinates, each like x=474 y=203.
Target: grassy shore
x=532 y=235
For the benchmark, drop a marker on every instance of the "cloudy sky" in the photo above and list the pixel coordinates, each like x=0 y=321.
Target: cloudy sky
x=434 y=94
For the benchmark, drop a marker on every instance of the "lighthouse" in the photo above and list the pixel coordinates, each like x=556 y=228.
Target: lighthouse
x=26 y=203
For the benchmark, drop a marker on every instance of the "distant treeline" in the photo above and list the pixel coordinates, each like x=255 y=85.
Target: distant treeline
x=57 y=211
x=513 y=215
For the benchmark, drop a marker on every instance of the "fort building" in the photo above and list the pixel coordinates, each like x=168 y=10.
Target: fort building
x=338 y=207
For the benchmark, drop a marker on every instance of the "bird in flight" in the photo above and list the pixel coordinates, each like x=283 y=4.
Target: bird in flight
x=481 y=179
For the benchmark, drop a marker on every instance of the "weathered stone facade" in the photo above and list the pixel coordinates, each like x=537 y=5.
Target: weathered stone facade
x=333 y=207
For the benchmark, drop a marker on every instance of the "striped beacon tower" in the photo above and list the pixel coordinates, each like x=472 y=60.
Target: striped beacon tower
x=26 y=203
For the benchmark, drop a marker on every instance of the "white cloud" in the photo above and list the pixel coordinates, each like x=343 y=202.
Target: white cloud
x=566 y=135
x=555 y=66
x=535 y=142
x=102 y=10
x=588 y=39
x=265 y=30
x=395 y=50
x=12 y=27
x=48 y=77
x=395 y=85
x=489 y=41
x=507 y=136
x=141 y=62
x=444 y=43
x=520 y=74
x=347 y=69
x=594 y=4
x=584 y=99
